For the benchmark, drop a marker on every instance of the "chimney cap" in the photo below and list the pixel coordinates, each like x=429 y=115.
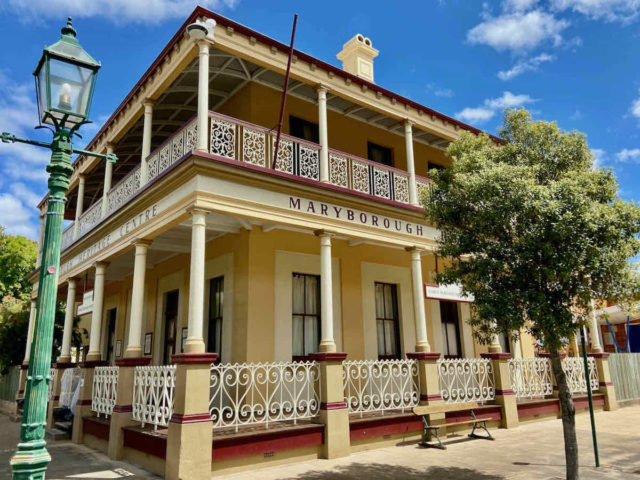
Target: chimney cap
x=360 y=43
x=357 y=57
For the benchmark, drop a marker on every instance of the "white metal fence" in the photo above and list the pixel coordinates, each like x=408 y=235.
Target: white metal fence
x=252 y=393
x=574 y=369
x=466 y=380
x=625 y=375
x=69 y=384
x=153 y=392
x=381 y=385
x=51 y=383
x=530 y=377
x=105 y=383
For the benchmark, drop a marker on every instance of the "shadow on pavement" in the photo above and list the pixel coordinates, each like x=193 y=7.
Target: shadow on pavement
x=379 y=471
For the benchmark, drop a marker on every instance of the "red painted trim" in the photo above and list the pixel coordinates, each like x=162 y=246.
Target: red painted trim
x=84 y=402
x=56 y=398
x=24 y=366
x=122 y=408
x=599 y=355
x=333 y=405
x=190 y=418
x=431 y=398
x=97 y=427
x=361 y=428
x=606 y=384
x=261 y=442
x=583 y=402
x=489 y=412
x=328 y=356
x=133 y=361
x=552 y=405
x=496 y=356
x=94 y=363
x=20 y=392
x=64 y=365
x=548 y=355
x=424 y=355
x=504 y=392
x=193 y=358
x=145 y=441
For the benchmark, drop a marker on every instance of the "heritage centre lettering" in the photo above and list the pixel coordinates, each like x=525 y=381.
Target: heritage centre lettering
x=356 y=216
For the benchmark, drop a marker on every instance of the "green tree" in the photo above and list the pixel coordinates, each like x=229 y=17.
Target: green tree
x=534 y=232
x=17 y=261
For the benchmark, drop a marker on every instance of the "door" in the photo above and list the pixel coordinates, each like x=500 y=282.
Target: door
x=450 y=329
x=216 y=305
x=387 y=321
x=111 y=334
x=170 y=326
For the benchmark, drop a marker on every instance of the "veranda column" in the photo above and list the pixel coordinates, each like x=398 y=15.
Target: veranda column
x=327 y=342
x=203 y=95
x=146 y=141
x=79 y=205
x=121 y=417
x=422 y=343
x=40 y=240
x=27 y=349
x=324 y=139
x=408 y=138
x=108 y=177
x=594 y=333
x=495 y=346
x=505 y=396
x=190 y=432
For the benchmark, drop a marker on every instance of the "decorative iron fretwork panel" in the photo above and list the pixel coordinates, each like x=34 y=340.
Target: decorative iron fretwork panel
x=105 y=386
x=223 y=138
x=530 y=377
x=360 y=176
x=400 y=187
x=153 y=392
x=338 y=170
x=309 y=162
x=466 y=380
x=574 y=369
x=254 y=148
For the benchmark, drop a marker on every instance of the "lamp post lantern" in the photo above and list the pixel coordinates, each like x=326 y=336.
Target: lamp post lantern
x=65 y=78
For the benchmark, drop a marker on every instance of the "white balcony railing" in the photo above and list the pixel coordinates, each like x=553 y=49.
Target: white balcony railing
x=466 y=380
x=263 y=393
x=69 y=387
x=105 y=386
x=153 y=393
x=574 y=369
x=381 y=385
x=530 y=377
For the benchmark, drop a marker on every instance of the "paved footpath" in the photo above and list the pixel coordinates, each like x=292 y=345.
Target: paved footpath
x=533 y=451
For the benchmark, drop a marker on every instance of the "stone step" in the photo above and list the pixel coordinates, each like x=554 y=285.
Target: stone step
x=64 y=426
x=55 y=434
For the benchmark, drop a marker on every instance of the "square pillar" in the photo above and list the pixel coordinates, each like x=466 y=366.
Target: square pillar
x=334 y=413
x=190 y=432
x=121 y=416
x=604 y=376
x=83 y=406
x=505 y=396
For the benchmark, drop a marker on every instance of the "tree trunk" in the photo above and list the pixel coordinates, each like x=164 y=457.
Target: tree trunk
x=568 y=417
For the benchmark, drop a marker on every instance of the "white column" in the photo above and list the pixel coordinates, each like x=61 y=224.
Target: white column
x=96 y=316
x=32 y=321
x=195 y=340
x=134 y=348
x=408 y=139
x=327 y=342
x=40 y=241
x=79 y=205
x=108 y=176
x=146 y=141
x=576 y=346
x=517 y=349
x=495 y=346
x=422 y=342
x=322 y=127
x=203 y=95
x=65 y=353
x=594 y=331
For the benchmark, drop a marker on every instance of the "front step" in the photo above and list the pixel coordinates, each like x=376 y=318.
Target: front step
x=55 y=435
x=64 y=426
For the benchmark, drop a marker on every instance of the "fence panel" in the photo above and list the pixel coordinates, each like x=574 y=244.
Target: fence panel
x=466 y=380
x=153 y=393
x=530 y=377
x=625 y=375
x=574 y=369
x=105 y=385
x=9 y=383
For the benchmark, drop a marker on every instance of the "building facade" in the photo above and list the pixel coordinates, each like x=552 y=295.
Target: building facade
x=228 y=289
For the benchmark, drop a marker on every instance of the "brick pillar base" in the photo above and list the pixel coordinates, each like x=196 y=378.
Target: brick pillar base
x=429 y=384
x=604 y=376
x=56 y=386
x=83 y=407
x=334 y=412
x=190 y=433
x=121 y=416
x=505 y=397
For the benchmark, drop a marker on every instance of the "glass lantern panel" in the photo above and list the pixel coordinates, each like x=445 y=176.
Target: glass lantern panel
x=42 y=90
x=70 y=87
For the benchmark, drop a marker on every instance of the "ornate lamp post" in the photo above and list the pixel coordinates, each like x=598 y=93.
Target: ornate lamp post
x=65 y=78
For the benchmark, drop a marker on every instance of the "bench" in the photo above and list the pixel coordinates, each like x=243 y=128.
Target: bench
x=426 y=410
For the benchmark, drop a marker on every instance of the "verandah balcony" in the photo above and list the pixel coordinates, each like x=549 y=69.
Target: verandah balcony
x=253 y=146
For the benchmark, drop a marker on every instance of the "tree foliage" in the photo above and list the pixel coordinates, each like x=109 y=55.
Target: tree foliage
x=542 y=232
x=17 y=261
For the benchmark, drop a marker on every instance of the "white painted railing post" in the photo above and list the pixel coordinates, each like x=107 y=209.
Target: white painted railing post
x=65 y=352
x=108 y=177
x=327 y=342
x=96 y=316
x=323 y=134
x=422 y=342
x=203 y=95
x=408 y=138
x=146 y=140
x=79 y=205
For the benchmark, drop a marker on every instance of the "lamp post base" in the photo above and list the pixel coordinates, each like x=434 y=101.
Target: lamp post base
x=30 y=461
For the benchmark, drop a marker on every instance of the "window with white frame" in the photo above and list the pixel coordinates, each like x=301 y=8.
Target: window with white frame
x=387 y=321
x=450 y=329
x=305 y=315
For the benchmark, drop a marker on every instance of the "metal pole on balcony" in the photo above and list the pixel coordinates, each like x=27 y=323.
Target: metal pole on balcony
x=591 y=414
x=284 y=92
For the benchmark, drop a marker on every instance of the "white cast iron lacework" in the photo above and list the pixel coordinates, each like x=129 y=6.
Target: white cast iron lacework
x=105 y=384
x=51 y=382
x=380 y=385
x=68 y=385
x=574 y=369
x=360 y=176
x=254 y=149
x=222 y=138
x=338 y=170
x=530 y=377
x=90 y=218
x=382 y=183
x=401 y=187
x=285 y=154
x=123 y=191
x=251 y=393
x=67 y=238
x=153 y=391
x=466 y=380
x=422 y=186
x=309 y=162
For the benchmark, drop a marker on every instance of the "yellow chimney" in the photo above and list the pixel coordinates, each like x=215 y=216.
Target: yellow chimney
x=357 y=57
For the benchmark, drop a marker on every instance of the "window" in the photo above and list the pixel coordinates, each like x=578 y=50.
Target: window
x=111 y=333
x=450 y=329
x=170 y=325
x=379 y=154
x=387 y=323
x=216 y=301
x=304 y=129
x=306 y=315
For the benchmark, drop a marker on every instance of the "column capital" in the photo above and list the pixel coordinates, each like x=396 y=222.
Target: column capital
x=148 y=102
x=141 y=241
x=81 y=178
x=322 y=88
x=194 y=210
x=101 y=265
x=415 y=249
x=73 y=280
x=324 y=233
x=111 y=146
x=408 y=124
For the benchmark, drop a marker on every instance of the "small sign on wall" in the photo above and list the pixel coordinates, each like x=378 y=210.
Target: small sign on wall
x=87 y=303
x=148 y=337
x=452 y=293
x=118 y=348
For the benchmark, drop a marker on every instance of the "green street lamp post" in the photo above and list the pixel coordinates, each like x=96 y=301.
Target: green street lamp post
x=65 y=79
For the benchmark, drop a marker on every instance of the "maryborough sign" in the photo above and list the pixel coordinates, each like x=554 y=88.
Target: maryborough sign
x=357 y=216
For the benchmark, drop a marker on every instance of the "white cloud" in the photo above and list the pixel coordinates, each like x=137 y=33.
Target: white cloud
x=519 y=5
x=623 y=11
x=599 y=157
x=518 y=31
x=527 y=65
x=117 y=11
x=16 y=218
x=492 y=105
x=628 y=155
x=635 y=108
x=577 y=115
x=438 y=91
x=25 y=194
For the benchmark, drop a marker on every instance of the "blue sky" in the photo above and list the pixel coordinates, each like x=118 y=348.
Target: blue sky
x=572 y=61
